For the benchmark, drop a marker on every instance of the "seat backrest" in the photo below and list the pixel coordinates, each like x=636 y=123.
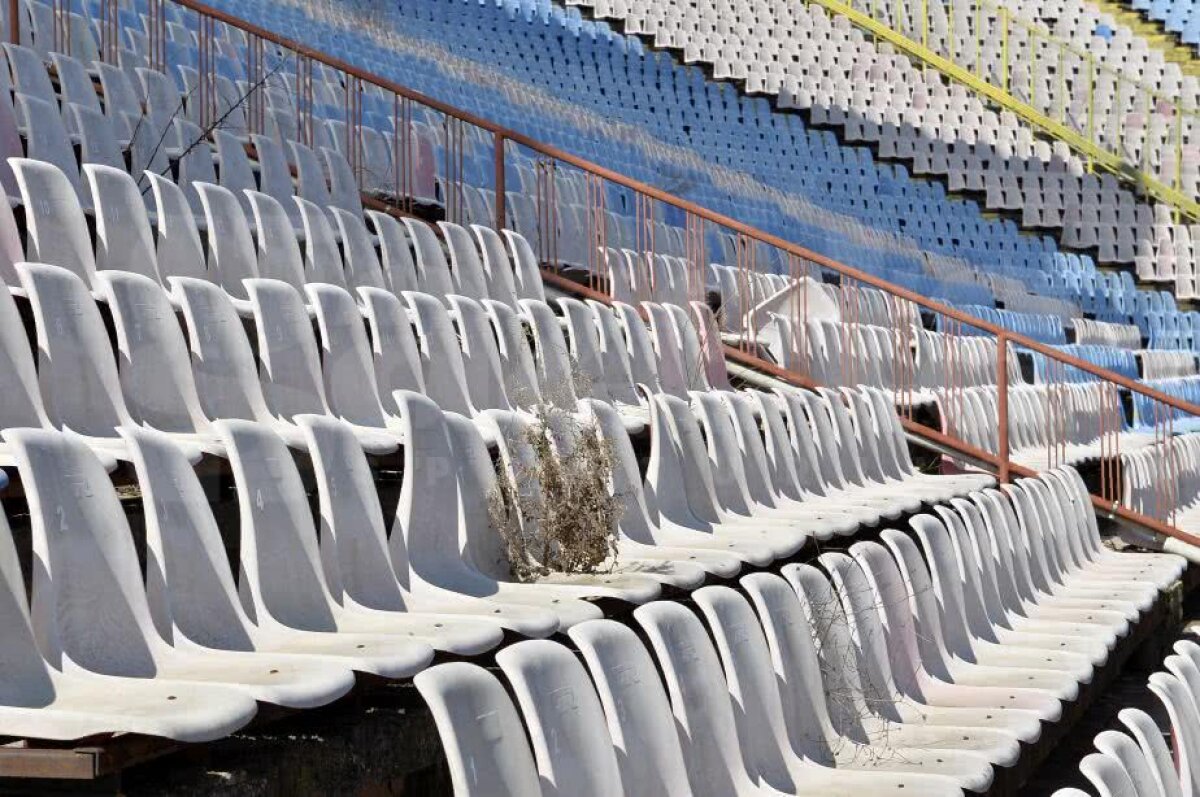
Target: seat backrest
x=480 y=355
x=120 y=96
x=1185 y=720
x=433 y=274
x=399 y=270
x=444 y=457
x=691 y=357
x=1126 y=752
x=56 y=230
x=47 y=139
x=1149 y=738
x=614 y=354
x=353 y=541
x=20 y=396
x=179 y=252
x=1022 y=566
x=343 y=186
x=482 y=549
x=274 y=175
x=195 y=164
x=837 y=654
x=189 y=584
x=699 y=697
x=236 y=173
x=123 y=238
x=97 y=139
x=803 y=440
x=584 y=337
x=743 y=649
x=152 y=355
x=668 y=348
x=909 y=631
x=847 y=438
x=796 y=666
x=679 y=479
x=831 y=457
x=870 y=639
x=222 y=360
x=643 y=363
x=525 y=266
x=76 y=368
x=635 y=519
x=482 y=736
x=27 y=679
x=278 y=251
x=162 y=95
x=781 y=460
x=635 y=706
x=497 y=267
x=85 y=566
x=394 y=352
x=1107 y=775
x=862 y=417
x=362 y=264
x=289 y=363
x=467 y=269
x=310 y=177
x=231 y=248
x=740 y=408
x=555 y=373
x=12 y=251
x=441 y=357
x=520 y=371
x=348 y=374
x=322 y=260
x=571 y=745
x=711 y=346
x=282 y=581
x=74 y=82
x=725 y=458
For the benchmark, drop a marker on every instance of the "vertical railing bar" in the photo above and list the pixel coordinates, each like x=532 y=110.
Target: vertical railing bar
x=501 y=176
x=1002 y=402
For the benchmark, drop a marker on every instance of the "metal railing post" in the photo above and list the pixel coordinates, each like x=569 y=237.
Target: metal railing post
x=1002 y=408
x=501 y=191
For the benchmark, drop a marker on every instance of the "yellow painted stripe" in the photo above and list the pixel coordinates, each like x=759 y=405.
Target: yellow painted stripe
x=1110 y=161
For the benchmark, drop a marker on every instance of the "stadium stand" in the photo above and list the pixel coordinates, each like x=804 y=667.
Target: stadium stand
x=820 y=63
x=223 y=257
x=675 y=105
x=1178 y=17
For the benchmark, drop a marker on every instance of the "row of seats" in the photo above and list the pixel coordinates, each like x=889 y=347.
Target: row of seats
x=1179 y=17
x=1148 y=413
x=1163 y=481
x=1138 y=760
x=250 y=322
x=817 y=680
x=913 y=362
x=1103 y=333
x=1047 y=423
